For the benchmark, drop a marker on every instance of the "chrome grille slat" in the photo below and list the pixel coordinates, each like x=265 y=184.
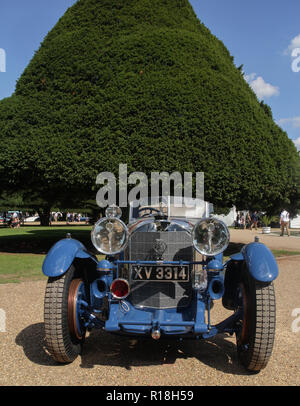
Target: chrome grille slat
x=160 y=295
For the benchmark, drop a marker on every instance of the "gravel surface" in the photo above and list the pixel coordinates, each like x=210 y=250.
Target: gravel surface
x=272 y=240
x=112 y=360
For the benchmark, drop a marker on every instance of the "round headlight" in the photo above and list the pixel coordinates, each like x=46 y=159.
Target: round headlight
x=210 y=236
x=113 y=211
x=110 y=236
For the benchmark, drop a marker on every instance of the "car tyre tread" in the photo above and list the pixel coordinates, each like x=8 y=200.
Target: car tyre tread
x=262 y=325
x=60 y=344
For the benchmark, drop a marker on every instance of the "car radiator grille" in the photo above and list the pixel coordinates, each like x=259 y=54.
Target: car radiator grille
x=160 y=295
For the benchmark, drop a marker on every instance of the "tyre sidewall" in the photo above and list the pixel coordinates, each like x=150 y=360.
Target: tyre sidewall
x=248 y=284
x=257 y=352
x=63 y=346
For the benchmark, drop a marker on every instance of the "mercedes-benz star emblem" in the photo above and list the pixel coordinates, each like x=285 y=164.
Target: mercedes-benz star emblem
x=159 y=247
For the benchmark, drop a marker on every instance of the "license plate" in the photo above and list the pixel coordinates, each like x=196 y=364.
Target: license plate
x=160 y=273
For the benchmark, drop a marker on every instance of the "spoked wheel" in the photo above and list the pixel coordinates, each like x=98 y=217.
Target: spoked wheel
x=256 y=332
x=63 y=316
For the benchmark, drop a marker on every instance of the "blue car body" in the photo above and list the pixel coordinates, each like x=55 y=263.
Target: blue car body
x=167 y=315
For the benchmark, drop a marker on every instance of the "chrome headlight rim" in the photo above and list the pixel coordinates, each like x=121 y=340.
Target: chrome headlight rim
x=94 y=232
x=113 y=211
x=209 y=220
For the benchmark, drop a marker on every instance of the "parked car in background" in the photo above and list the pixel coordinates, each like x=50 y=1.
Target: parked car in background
x=160 y=276
x=31 y=219
x=85 y=219
x=3 y=218
x=7 y=217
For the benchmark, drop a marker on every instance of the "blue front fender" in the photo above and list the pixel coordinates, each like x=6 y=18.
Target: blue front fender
x=260 y=262
x=61 y=256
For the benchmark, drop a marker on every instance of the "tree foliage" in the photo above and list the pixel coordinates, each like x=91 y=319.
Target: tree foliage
x=143 y=83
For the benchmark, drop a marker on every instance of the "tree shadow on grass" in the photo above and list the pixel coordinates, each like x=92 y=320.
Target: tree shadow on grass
x=39 y=241
x=102 y=348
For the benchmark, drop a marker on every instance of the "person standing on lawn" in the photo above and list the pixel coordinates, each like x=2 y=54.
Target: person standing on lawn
x=243 y=221
x=254 y=220
x=284 y=222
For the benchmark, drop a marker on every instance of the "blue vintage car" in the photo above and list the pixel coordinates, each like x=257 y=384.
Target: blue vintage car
x=160 y=277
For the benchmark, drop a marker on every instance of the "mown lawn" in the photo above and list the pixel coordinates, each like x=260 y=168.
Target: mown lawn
x=40 y=231
x=20 y=267
x=284 y=253
x=38 y=240
x=22 y=250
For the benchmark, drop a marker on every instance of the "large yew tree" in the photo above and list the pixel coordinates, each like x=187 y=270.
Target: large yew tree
x=143 y=83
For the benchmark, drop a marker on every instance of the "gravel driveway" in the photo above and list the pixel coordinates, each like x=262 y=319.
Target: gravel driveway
x=112 y=360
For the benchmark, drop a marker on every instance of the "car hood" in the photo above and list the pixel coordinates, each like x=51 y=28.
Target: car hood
x=152 y=224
